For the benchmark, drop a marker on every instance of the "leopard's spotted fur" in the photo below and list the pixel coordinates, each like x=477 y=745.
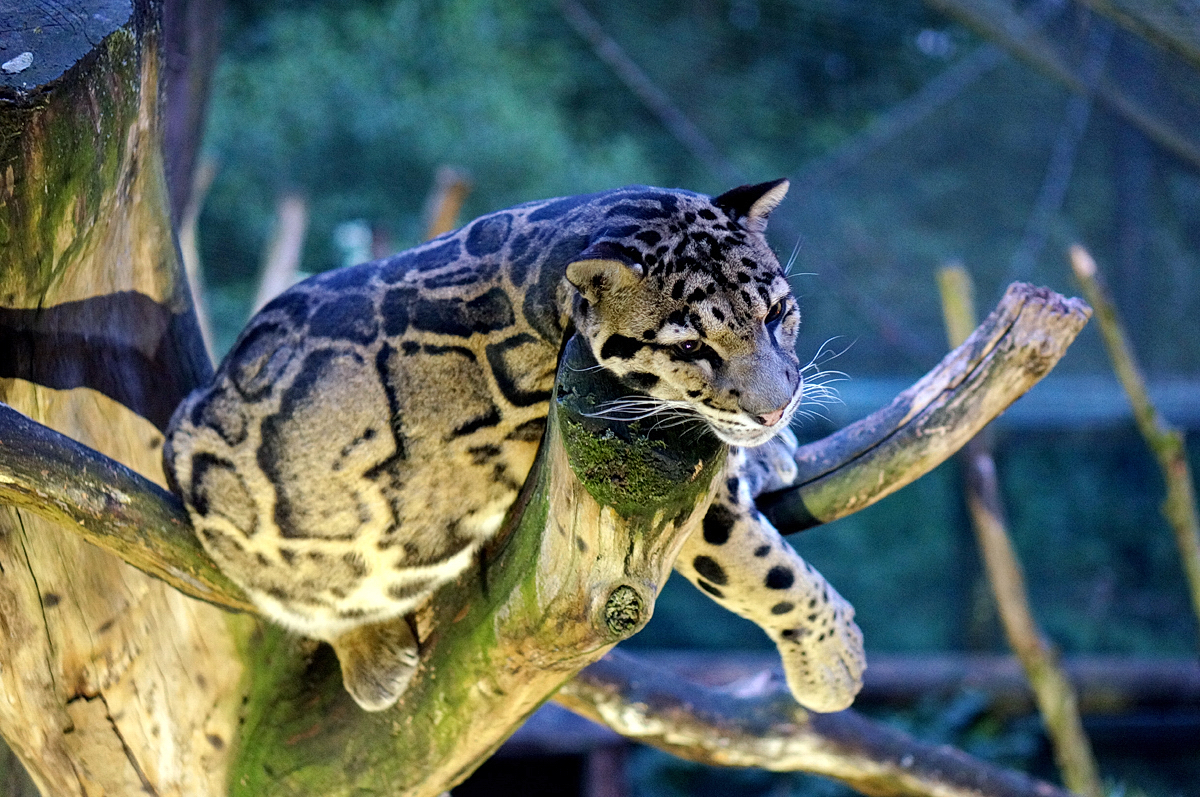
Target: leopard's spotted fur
x=315 y=465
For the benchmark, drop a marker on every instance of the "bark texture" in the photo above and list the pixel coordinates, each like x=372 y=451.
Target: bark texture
x=757 y=724
x=110 y=681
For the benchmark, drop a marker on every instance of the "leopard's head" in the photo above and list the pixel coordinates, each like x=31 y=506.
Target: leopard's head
x=688 y=305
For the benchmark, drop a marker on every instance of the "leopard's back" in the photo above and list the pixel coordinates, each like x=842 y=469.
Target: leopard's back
x=372 y=425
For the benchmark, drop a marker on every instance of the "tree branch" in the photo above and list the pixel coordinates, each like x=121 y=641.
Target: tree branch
x=1014 y=347
x=1166 y=114
x=758 y=724
x=654 y=98
x=591 y=542
x=1056 y=698
x=108 y=505
x=1165 y=441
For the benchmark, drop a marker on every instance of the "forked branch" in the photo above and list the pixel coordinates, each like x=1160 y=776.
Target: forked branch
x=584 y=562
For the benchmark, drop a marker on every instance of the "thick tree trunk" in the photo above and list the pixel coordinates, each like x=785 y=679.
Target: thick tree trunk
x=591 y=543
x=110 y=681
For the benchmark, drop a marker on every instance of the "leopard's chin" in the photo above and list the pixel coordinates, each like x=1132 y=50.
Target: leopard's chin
x=747 y=432
x=747 y=438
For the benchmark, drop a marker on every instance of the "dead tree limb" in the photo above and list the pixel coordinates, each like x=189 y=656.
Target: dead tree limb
x=1165 y=441
x=109 y=505
x=758 y=724
x=1056 y=699
x=1012 y=349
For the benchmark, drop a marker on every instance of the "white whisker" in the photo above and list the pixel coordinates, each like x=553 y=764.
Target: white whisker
x=791 y=261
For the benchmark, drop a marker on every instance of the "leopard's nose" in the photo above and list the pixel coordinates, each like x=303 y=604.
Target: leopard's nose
x=772 y=418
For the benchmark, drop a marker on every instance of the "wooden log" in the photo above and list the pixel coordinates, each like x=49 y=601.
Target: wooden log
x=113 y=681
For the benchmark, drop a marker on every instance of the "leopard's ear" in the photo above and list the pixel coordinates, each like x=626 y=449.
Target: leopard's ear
x=753 y=203
x=602 y=269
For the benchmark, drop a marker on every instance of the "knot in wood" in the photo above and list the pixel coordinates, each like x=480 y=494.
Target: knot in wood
x=623 y=611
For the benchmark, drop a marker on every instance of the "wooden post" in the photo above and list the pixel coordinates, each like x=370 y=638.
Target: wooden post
x=1055 y=696
x=110 y=681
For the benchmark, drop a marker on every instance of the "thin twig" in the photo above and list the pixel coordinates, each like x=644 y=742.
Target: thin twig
x=1166 y=442
x=444 y=203
x=1062 y=158
x=282 y=262
x=1147 y=110
x=1053 y=692
x=189 y=248
x=901 y=117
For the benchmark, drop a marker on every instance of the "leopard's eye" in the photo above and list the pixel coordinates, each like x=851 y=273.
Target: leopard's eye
x=774 y=313
x=688 y=346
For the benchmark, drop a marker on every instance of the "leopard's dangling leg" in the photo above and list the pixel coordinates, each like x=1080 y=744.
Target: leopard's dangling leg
x=744 y=564
x=378 y=660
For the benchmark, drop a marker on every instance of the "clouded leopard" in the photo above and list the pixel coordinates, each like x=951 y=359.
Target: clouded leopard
x=317 y=466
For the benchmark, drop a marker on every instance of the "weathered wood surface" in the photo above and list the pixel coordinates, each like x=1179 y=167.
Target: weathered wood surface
x=758 y=724
x=108 y=505
x=1014 y=347
x=110 y=681
x=500 y=642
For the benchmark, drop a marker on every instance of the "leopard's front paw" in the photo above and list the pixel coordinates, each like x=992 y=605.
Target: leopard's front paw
x=378 y=661
x=822 y=652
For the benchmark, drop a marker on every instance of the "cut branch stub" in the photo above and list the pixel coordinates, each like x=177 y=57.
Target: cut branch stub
x=577 y=568
x=1010 y=352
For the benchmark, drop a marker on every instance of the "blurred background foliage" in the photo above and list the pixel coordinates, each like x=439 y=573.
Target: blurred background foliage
x=912 y=142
